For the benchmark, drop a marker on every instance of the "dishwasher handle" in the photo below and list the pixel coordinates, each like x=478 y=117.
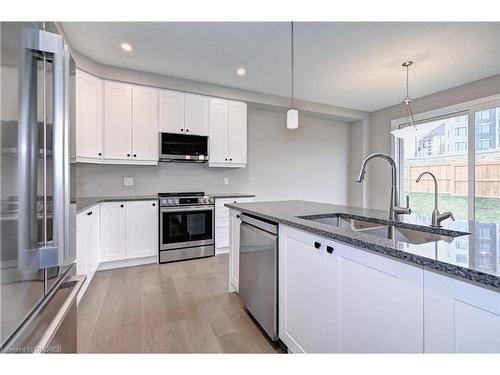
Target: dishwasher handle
x=259 y=223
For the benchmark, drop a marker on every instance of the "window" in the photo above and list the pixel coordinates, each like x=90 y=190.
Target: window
x=484 y=144
x=484 y=115
x=442 y=147
x=460 y=146
x=450 y=165
x=485 y=128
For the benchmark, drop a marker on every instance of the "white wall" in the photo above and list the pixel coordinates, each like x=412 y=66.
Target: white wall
x=378 y=173
x=309 y=163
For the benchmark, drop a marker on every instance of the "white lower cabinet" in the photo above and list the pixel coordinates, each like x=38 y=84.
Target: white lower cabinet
x=302 y=291
x=142 y=229
x=87 y=245
x=335 y=298
x=374 y=304
x=222 y=227
x=460 y=317
x=129 y=230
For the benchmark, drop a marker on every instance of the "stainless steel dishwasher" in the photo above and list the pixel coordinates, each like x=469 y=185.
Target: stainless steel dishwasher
x=258 y=279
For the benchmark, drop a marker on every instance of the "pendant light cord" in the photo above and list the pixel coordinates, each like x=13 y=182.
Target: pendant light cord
x=293 y=68
x=407 y=80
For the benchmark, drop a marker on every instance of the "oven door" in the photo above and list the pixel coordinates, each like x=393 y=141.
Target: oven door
x=186 y=226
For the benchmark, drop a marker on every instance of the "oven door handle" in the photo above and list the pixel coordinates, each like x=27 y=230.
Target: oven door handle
x=187 y=208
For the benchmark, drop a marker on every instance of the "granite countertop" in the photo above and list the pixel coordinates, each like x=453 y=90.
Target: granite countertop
x=474 y=257
x=83 y=203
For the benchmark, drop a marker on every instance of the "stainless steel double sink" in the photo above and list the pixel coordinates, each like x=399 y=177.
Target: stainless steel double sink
x=412 y=236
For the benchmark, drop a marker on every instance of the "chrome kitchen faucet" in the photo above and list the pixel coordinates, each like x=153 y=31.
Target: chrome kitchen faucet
x=437 y=218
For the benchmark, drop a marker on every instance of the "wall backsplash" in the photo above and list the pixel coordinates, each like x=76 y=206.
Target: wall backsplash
x=308 y=163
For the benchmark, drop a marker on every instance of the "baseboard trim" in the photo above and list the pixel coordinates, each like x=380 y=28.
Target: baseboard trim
x=127 y=263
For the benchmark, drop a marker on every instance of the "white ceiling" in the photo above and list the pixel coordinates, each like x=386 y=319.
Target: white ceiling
x=354 y=65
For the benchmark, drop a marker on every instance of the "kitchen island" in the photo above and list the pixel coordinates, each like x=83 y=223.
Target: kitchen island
x=344 y=290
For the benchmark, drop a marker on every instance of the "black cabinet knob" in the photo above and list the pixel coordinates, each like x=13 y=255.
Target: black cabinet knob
x=135 y=155
x=237 y=216
x=230 y=159
x=226 y=159
x=329 y=249
x=100 y=154
x=128 y=155
x=317 y=244
x=187 y=130
x=182 y=130
x=154 y=204
x=89 y=213
x=121 y=205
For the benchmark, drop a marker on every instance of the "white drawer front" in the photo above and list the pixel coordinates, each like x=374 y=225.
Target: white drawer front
x=222 y=212
x=220 y=202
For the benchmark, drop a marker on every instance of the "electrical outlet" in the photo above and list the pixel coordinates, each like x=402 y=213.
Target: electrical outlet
x=226 y=180
x=128 y=181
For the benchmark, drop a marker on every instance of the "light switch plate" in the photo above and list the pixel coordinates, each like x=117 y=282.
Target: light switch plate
x=226 y=180
x=128 y=181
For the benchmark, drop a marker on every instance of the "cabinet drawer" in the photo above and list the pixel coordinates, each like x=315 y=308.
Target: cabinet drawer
x=222 y=212
x=222 y=222
x=220 y=202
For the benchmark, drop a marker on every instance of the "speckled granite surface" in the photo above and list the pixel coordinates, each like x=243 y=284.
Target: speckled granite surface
x=469 y=256
x=83 y=203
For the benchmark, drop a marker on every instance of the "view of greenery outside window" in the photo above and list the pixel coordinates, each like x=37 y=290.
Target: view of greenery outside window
x=441 y=147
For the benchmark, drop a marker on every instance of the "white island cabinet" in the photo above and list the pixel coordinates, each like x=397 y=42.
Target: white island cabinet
x=374 y=303
x=460 y=317
x=336 y=298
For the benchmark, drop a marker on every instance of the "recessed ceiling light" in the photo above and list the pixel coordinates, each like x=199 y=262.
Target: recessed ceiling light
x=126 y=47
x=241 y=71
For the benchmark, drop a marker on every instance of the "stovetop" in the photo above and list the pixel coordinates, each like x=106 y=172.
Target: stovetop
x=184 y=199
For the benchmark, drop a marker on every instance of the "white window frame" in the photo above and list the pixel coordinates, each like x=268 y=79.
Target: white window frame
x=466 y=108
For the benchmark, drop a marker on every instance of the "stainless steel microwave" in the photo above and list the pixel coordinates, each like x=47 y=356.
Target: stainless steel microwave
x=183 y=148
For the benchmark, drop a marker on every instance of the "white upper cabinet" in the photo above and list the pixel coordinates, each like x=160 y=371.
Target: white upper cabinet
x=218 y=131
x=228 y=133
x=237 y=139
x=117 y=120
x=196 y=114
x=144 y=123
x=171 y=111
x=89 y=116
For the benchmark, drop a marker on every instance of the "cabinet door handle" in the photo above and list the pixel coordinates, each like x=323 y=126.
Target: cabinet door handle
x=154 y=204
x=128 y=155
x=89 y=213
x=329 y=249
x=317 y=244
x=135 y=155
x=230 y=159
x=237 y=216
x=187 y=130
x=226 y=159
x=121 y=205
x=182 y=130
x=100 y=154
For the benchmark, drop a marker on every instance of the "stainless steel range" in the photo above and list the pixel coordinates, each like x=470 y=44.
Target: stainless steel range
x=186 y=226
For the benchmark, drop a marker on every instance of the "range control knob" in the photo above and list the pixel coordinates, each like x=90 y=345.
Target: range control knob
x=205 y=200
x=163 y=202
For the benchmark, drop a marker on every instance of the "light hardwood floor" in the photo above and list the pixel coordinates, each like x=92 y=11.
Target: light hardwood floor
x=181 y=307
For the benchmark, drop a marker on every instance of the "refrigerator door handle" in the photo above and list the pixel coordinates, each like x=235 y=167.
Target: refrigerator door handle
x=38 y=43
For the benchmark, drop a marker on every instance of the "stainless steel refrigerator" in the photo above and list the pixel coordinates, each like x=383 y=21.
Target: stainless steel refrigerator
x=38 y=206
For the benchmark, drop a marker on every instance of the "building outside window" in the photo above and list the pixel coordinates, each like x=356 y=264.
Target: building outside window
x=442 y=147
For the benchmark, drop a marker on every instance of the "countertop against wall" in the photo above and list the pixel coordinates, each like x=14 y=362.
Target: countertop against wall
x=83 y=203
x=464 y=257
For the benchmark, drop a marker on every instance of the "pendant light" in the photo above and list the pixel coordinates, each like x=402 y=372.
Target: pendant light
x=292 y=115
x=407 y=100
